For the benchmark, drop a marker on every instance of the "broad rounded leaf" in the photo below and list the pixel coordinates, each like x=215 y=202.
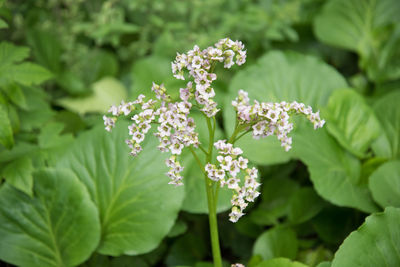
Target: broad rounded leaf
x=137 y=206
x=334 y=172
x=276 y=242
x=362 y=26
x=106 y=92
x=385 y=184
x=388 y=113
x=57 y=227
x=351 y=121
x=279 y=76
x=280 y=262
x=375 y=243
x=355 y=22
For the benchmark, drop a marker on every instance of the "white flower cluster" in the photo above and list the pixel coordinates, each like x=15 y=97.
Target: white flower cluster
x=272 y=118
x=226 y=172
x=175 y=128
x=200 y=65
x=237 y=265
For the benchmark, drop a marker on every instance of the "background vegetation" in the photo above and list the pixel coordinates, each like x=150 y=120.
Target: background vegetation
x=72 y=196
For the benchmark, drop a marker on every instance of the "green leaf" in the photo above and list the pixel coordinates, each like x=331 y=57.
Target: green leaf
x=276 y=242
x=334 y=172
x=186 y=250
x=3 y=24
x=333 y=224
x=385 y=184
x=179 y=228
x=95 y=65
x=10 y=53
x=106 y=92
x=280 y=262
x=279 y=76
x=16 y=95
x=365 y=27
x=375 y=243
x=137 y=206
x=315 y=255
x=46 y=48
x=351 y=121
x=388 y=113
x=26 y=74
x=304 y=205
x=58 y=227
x=49 y=136
x=18 y=173
x=38 y=109
x=153 y=69
x=6 y=134
x=276 y=195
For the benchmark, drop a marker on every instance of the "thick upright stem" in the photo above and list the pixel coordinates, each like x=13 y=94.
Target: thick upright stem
x=212 y=202
x=212 y=218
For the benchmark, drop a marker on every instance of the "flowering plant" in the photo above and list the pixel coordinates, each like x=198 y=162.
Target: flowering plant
x=176 y=130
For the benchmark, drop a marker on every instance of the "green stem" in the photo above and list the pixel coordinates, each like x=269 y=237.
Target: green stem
x=202 y=149
x=212 y=218
x=212 y=200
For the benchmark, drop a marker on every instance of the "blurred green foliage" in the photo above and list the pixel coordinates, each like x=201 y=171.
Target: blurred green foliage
x=64 y=62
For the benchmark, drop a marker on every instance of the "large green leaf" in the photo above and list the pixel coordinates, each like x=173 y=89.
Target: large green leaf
x=276 y=242
x=385 y=184
x=57 y=227
x=375 y=243
x=279 y=76
x=334 y=172
x=106 y=92
x=351 y=121
x=388 y=113
x=363 y=26
x=280 y=262
x=137 y=206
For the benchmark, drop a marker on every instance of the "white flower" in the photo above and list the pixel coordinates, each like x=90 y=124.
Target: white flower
x=235 y=214
x=176 y=148
x=242 y=163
